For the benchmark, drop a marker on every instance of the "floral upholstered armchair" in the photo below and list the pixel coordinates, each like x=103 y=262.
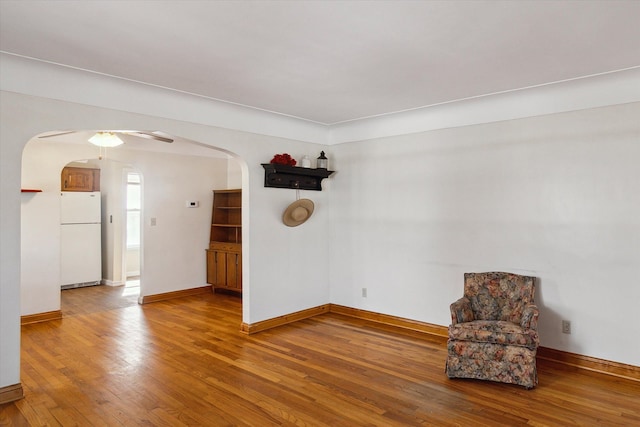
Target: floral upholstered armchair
x=494 y=330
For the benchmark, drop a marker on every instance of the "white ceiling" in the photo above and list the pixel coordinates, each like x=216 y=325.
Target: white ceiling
x=330 y=61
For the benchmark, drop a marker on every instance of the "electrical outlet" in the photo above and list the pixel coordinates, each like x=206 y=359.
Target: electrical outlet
x=566 y=327
x=364 y=292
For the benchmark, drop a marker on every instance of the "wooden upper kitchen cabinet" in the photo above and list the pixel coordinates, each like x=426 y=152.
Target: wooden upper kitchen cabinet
x=80 y=179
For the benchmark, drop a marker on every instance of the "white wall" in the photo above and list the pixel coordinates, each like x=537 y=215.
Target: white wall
x=40 y=252
x=556 y=197
x=133 y=261
x=234 y=174
x=113 y=217
x=173 y=251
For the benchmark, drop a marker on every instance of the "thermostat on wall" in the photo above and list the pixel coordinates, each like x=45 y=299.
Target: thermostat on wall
x=193 y=204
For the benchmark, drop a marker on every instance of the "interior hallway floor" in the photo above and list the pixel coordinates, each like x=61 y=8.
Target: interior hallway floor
x=93 y=299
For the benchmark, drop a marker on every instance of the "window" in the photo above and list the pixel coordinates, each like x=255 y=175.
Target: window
x=133 y=209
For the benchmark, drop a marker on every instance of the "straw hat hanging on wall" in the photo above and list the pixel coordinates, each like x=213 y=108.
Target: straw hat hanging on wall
x=297 y=212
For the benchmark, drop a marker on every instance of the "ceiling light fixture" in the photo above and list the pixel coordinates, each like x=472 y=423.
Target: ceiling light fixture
x=106 y=139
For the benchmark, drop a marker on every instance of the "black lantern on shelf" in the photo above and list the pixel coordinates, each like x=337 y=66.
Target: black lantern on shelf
x=323 y=162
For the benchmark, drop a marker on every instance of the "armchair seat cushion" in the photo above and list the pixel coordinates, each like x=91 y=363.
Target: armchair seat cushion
x=495 y=332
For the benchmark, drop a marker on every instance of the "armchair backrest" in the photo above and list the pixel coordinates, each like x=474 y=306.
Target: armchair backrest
x=498 y=296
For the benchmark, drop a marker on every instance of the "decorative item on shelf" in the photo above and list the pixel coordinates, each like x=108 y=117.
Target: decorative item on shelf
x=305 y=162
x=297 y=212
x=283 y=159
x=323 y=162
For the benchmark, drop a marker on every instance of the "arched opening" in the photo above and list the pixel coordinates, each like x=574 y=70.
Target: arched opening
x=175 y=235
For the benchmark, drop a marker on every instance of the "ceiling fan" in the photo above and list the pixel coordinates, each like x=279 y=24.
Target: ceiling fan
x=155 y=135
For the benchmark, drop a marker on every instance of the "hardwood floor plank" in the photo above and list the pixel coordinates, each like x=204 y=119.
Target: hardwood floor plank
x=185 y=362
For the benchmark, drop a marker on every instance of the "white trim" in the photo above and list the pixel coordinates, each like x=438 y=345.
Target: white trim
x=50 y=80
x=483 y=96
x=621 y=87
x=112 y=283
x=84 y=70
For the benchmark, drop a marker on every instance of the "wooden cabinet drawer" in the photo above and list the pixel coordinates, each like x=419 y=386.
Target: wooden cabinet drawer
x=223 y=246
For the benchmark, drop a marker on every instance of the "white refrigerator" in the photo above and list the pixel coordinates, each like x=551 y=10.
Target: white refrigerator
x=81 y=239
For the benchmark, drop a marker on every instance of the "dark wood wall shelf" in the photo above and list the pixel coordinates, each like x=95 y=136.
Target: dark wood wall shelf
x=283 y=176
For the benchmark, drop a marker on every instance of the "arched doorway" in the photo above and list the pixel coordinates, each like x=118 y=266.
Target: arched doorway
x=173 y=175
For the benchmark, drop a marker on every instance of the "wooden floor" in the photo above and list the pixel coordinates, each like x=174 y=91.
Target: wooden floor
x=184 y=362
x=79 y=301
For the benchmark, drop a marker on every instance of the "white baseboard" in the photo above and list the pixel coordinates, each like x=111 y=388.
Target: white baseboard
x=112 y=283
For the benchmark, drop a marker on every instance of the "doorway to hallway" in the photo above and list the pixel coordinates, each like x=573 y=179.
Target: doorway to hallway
x=133 y=238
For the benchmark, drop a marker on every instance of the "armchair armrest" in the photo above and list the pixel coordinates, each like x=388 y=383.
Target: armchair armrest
x=530 y=317
x=461 y=311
